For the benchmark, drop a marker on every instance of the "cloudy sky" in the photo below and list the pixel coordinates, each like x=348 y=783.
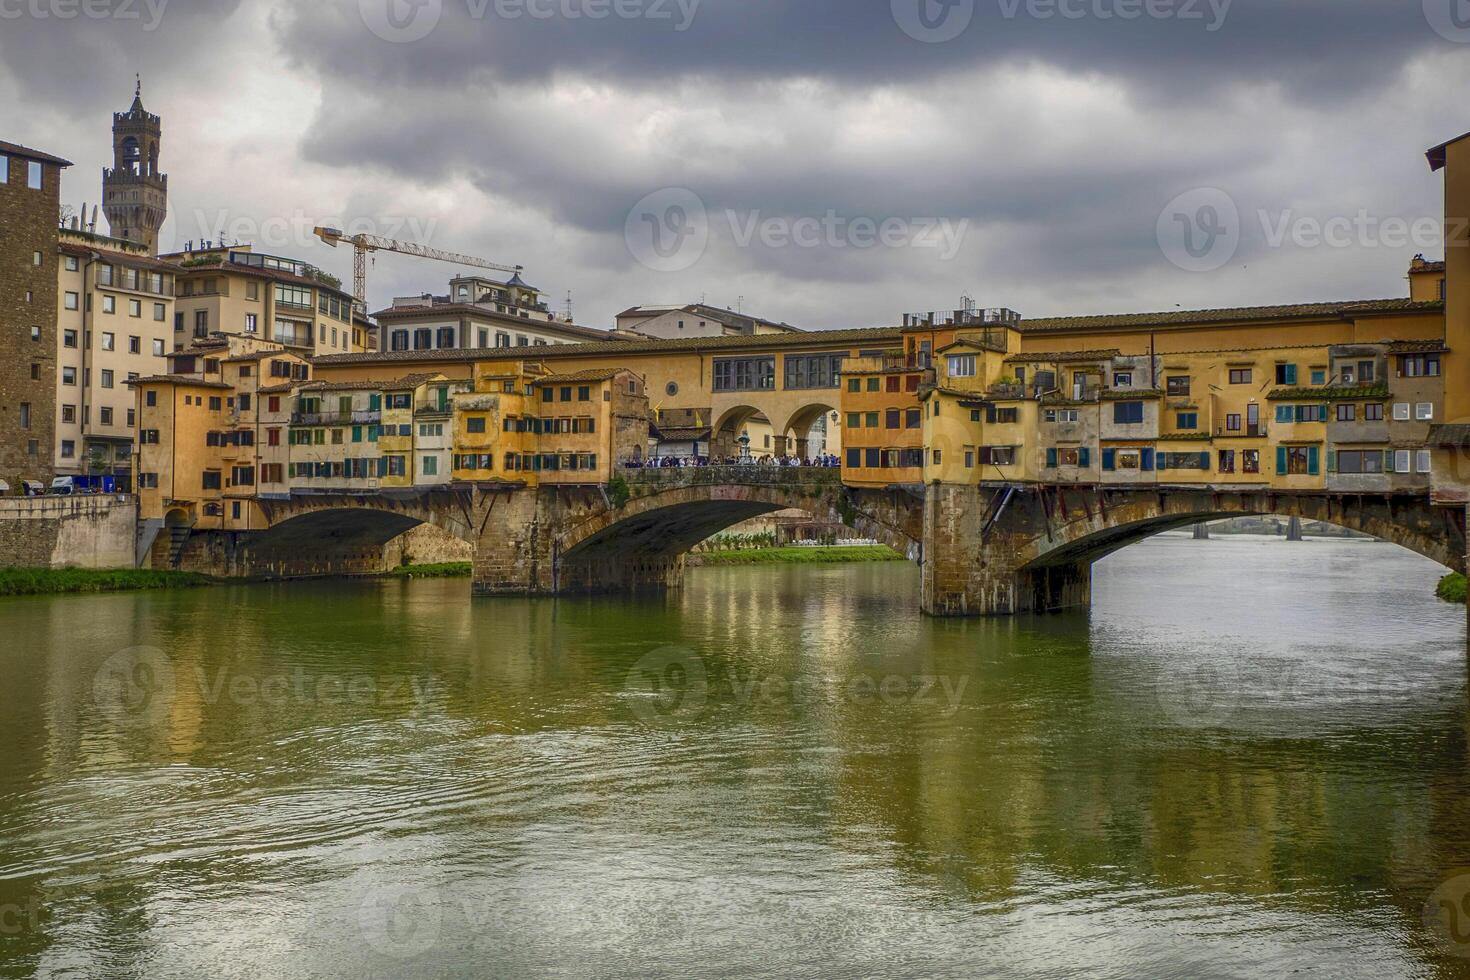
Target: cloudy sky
x=825 y=162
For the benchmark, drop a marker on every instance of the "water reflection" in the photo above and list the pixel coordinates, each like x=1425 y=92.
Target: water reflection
x=1250 y=758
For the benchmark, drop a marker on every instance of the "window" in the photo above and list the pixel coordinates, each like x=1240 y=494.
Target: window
x=1367 y=372
x=745 y=374
x=1402 y=411
x=1081 y=456
x=160 y=313
x=33 y=175
x=475 y=425
x=68 y=449
x=1319 y=377
x=1122 y=379
x=1298 y=460
x=1227 y=461
x=1373 y=412
x=1424 y=411
x=1423 y=461
x=961 y=365
x=107 y=377
x=106 y=415
x=807 y=371
x=1250 y=461
x=4 y=169
x=1301 y=413
x=1127 y=413
x=1184 y=461
x=109 y=304
x=109 y=341
x=25 y=415
x=292 y=295
x=1401 y=461
x=1419 y=366
x=1178 y=386
x=68 y=413
x=1240 y=376
x=446 y=338
x=913 y=418
x=1232 y=423
x=854 y=458
x=893 y=419
x=68 y=338
x=211 y=479
x=1002 y=416
x=135 y=308
x=251 y=323
x=854 y=420
x=1358 y=461
x=854 y=384
x=429 y=465
x=1286 y=374
x=135 y=345
x=1347 y=413
x=73 y=301
x=35 y=333
x=1187 y=420
x=150 y=398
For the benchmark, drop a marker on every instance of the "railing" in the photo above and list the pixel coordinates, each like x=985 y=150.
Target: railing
x=1247 y=432
x=962 y=318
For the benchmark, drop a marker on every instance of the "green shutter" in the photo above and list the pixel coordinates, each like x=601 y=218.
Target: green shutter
x=1051 y=459
x=1314 y=460
x=1281 y=464
x=1332 y=460
x=1388 y=461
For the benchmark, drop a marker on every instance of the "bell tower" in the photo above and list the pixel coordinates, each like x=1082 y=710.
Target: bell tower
x=134 y=192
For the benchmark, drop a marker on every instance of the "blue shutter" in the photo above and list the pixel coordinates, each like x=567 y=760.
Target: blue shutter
x=1314 y=460
x=1204 y=461
x=1051 y=459
x=1109 y=460
x=1281 y=464
x=1146 y=461
x=1162 y=461
x=1084 y=457
x=1291 y=374
x=1284 y=413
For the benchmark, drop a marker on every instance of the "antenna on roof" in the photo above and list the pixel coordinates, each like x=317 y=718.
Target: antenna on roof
x=740 y=303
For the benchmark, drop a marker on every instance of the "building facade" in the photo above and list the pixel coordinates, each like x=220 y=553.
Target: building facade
x=477 y=314
x=30 y=200
x=114 y=323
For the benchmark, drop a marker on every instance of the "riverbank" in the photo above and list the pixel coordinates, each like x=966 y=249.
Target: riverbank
x=452 y=569
x=798 y=556
x=62 y=581
x=1452 y=588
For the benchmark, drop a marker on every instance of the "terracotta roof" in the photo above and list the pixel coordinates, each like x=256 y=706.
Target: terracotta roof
x=1424 y=265
x=1417 y=347
x=1246 y=314
x=815 y=338
x=685 y=435
x=1451 y=436
x=260 y=355
x=115 y=257
x=591 y=374
x=16 y=150
x=400 y=384
x=279 y=389
x=1039 y=357
x=180 y=379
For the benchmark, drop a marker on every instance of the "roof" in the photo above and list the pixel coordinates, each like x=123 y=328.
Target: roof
x=259 y=272
x=1437 y=154
x=591 y=374
x=1424 y=265
x=16 y=150
x=685 y=435
x=400 y=384
x=180 y=379
x=729 y=318
x=1041 y=357
x=279 y=389
x=1451 y=436
x=114 y=256
x=260 y=355
x=1246 y=314
x=678 y=345
x=1417 y=347
x=1373 y=392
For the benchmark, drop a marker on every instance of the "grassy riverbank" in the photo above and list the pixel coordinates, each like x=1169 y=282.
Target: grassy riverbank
x=453 y=569
x=798 y=556
x=1452 y=588
x=59 y=581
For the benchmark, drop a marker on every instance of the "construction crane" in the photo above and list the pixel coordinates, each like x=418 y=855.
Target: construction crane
x=363 y=244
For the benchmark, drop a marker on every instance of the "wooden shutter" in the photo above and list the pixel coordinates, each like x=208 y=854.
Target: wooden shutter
x=1281 y=461
x=1314 y=461
x=1051 y=458
x=1109 y=460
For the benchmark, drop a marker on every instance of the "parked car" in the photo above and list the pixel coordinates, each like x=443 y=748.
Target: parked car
x=63 y=486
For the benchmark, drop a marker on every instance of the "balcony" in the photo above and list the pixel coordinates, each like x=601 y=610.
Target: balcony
x=1258 y=431
x=995 y=316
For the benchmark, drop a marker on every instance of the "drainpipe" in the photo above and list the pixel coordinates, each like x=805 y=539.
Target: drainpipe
x=88 y=288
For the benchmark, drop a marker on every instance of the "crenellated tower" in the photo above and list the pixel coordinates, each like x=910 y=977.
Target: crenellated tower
x=134 y=192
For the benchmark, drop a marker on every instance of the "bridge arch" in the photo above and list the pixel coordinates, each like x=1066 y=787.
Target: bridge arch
x=665 y=524
x=1098 y=531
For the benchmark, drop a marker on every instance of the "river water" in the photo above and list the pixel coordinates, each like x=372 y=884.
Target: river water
x=1248 y=760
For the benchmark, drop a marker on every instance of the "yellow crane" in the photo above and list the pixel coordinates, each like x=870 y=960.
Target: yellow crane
x=363 y=244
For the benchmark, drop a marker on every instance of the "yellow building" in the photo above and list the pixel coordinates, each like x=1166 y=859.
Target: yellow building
x=522 y=425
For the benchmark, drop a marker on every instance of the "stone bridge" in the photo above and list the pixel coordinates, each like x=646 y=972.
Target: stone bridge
x=989 y=550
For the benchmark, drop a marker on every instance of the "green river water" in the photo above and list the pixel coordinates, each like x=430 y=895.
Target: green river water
x=1249 y=759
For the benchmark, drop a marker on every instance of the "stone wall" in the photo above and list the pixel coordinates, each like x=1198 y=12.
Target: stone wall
x=61 y=532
